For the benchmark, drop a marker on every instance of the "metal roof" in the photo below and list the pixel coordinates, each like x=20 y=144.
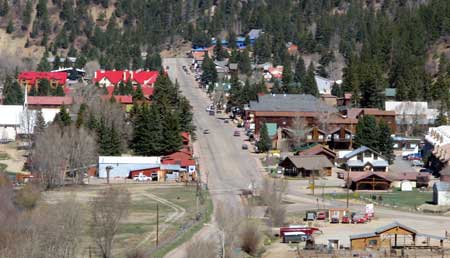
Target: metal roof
x=363 y=235
x=310 y=162
x=374 y=163
x=288 y=103
x=393 y=225
x=356 y=152
x=128 y=160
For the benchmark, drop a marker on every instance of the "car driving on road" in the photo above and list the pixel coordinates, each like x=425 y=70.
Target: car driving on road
x=237 y=133
x=206 y=131
x=141 y=178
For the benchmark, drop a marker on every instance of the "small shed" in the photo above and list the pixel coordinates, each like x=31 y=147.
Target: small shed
x=306 y=165
x=406 y=186
x=441 y=193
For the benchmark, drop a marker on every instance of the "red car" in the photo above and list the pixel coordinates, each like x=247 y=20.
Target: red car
x=358 y=220
x=345 y=220
x=321 y=215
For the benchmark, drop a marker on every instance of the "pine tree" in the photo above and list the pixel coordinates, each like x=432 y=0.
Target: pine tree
x=366 y=132
x=33 y=91
x=43 y=87
x=115 y=143
x=209 y=74
x=442 y=118
x=59 y=91
x=244 y=64
x=129 y=88
x=310 y=85
x=300 y=71
x=62 y=118
x=10 y=27
x=186 y=117
x=80 y=115
x=40 y=123
x=385 y=142
x=172 y=140
x=103 y=138
x=372 y=86
x=336 y=90
x=44 y=65
x=219 y=52
x=138 y=94
x=12 y=93
x=265 y=143
x=287 y=76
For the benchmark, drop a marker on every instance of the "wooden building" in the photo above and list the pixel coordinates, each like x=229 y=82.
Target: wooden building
x=319 y=149
x=367 y=181
x=306 y=165
x=394 y=235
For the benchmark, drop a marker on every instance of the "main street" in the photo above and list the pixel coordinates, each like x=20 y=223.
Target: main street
x=224 y=165
x=228 y=168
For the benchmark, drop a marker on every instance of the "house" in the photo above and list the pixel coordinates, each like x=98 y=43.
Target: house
x=345 y=101
x=319 y=149
x=73 y=74
x=276 y=72
x=111 y=78
x=441 y=193
x=329 y=99
x=367 y=181
x=306 y=166
x=437 y=147
x=184 y=159
x=32 y=79
x=341 y=138
x=365 y=159
x=121 y=167
x=412 y=113
x=254 y=34
x=394 y=235
x=292 y=48
x=406 y=143
x=414 y=178
x=387 y=116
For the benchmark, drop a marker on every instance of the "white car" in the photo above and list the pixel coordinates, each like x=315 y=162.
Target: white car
x=142 y=178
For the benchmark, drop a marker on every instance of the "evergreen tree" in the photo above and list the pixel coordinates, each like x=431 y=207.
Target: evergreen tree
x=62 y=118
x=300 y=71
x=186 y=117
x=122 y=90
x=10 y=27
x=103 y=138
x=115 y=143
x=244 y=63
x=172 y=140
x=336 y=90
x=209 y=74
x=366 y=133
x=265 y=143
x=442 y=118
x=385 y=143
x=310 y=85
x=33 y=91
x=80 y=115
x=287 y=78
x=129 y=88
x=219 y=52
x=12 y=93
x=40 y=123
x=372 y=86
x=147 y=137
x=44 y=87
x=59 y=91
x=44 y=65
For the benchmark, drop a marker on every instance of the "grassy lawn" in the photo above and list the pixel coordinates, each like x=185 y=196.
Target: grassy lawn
x=4 y=155
x=396 y=198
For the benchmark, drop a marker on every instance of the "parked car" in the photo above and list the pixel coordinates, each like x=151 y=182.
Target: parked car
x=206 y=131
x=141 y=178
x=345 y=220
x=426 y=170
x=244 y=146
x=226 y=121
x=417 y=163
x=237 y=133
x=334 y=220
x=321 y=215
x=358 y=219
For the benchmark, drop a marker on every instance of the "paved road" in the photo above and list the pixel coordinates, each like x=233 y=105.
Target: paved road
x=227 y=166
x=229 y=169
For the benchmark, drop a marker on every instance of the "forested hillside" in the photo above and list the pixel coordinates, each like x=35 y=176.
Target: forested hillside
x=384 y=42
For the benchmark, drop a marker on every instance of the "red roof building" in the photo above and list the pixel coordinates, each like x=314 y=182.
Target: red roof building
x=111 y=78
x=48 y=101
x=122 y=99
x=29 y=79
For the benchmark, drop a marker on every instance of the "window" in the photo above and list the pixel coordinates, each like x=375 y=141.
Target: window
x=373 y=242
x=347 y=136
x=320 y=137
x=309 y=137
x=360 y=156
x=412 y=145
x=336 y=136
x=375 y=156
x=367 y=154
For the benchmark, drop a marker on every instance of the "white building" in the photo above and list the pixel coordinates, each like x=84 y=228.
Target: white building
x=325 y=85
x=365 y=159
x=409 y=112
x=122 y=166
x=441 y=193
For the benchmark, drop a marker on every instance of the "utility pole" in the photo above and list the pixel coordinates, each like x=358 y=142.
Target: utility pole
x=348 y=187
x=223 y=244
x=157 y=224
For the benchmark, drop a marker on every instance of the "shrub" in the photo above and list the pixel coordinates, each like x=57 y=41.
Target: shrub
x=27 y=197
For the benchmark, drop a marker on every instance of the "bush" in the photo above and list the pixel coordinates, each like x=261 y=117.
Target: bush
x=27 y=197
x=250 y=238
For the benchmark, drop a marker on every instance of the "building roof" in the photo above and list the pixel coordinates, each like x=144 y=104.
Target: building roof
x=254 y=33
x=122 y=99
x=358 y=176
x=182 y=157
x=49 y=100
x=363 y=235
x=360 y=163
x=145 y=77
x=10 y=114
x=32 y=77
x=286 y=103
x=394 y=224
x=438 y=135
x=128 y=160
x=410 y=176
x=141 y=77
x=113 y=76
x=377 y=112
x=361 y=150
x=442 y=186
x=310 y=162
x=390 y=92
x=323 y=84
x=317 y=149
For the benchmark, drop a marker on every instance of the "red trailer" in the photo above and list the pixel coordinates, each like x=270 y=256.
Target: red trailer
x=304 y=229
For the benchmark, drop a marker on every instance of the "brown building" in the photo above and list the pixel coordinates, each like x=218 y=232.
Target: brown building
x=319 y=150
x=306 y=165
x=394 y=235
x=387 y=116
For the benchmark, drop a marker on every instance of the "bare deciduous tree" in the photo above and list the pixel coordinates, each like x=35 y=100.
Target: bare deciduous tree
x=107 y=210
x=205 y=249
x=250 y=238
x=228 y=219
x=299 y=129
x=324 y=114
x=271 y=195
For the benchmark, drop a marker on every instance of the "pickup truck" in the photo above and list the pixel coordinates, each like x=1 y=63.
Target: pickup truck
x=142 y=178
